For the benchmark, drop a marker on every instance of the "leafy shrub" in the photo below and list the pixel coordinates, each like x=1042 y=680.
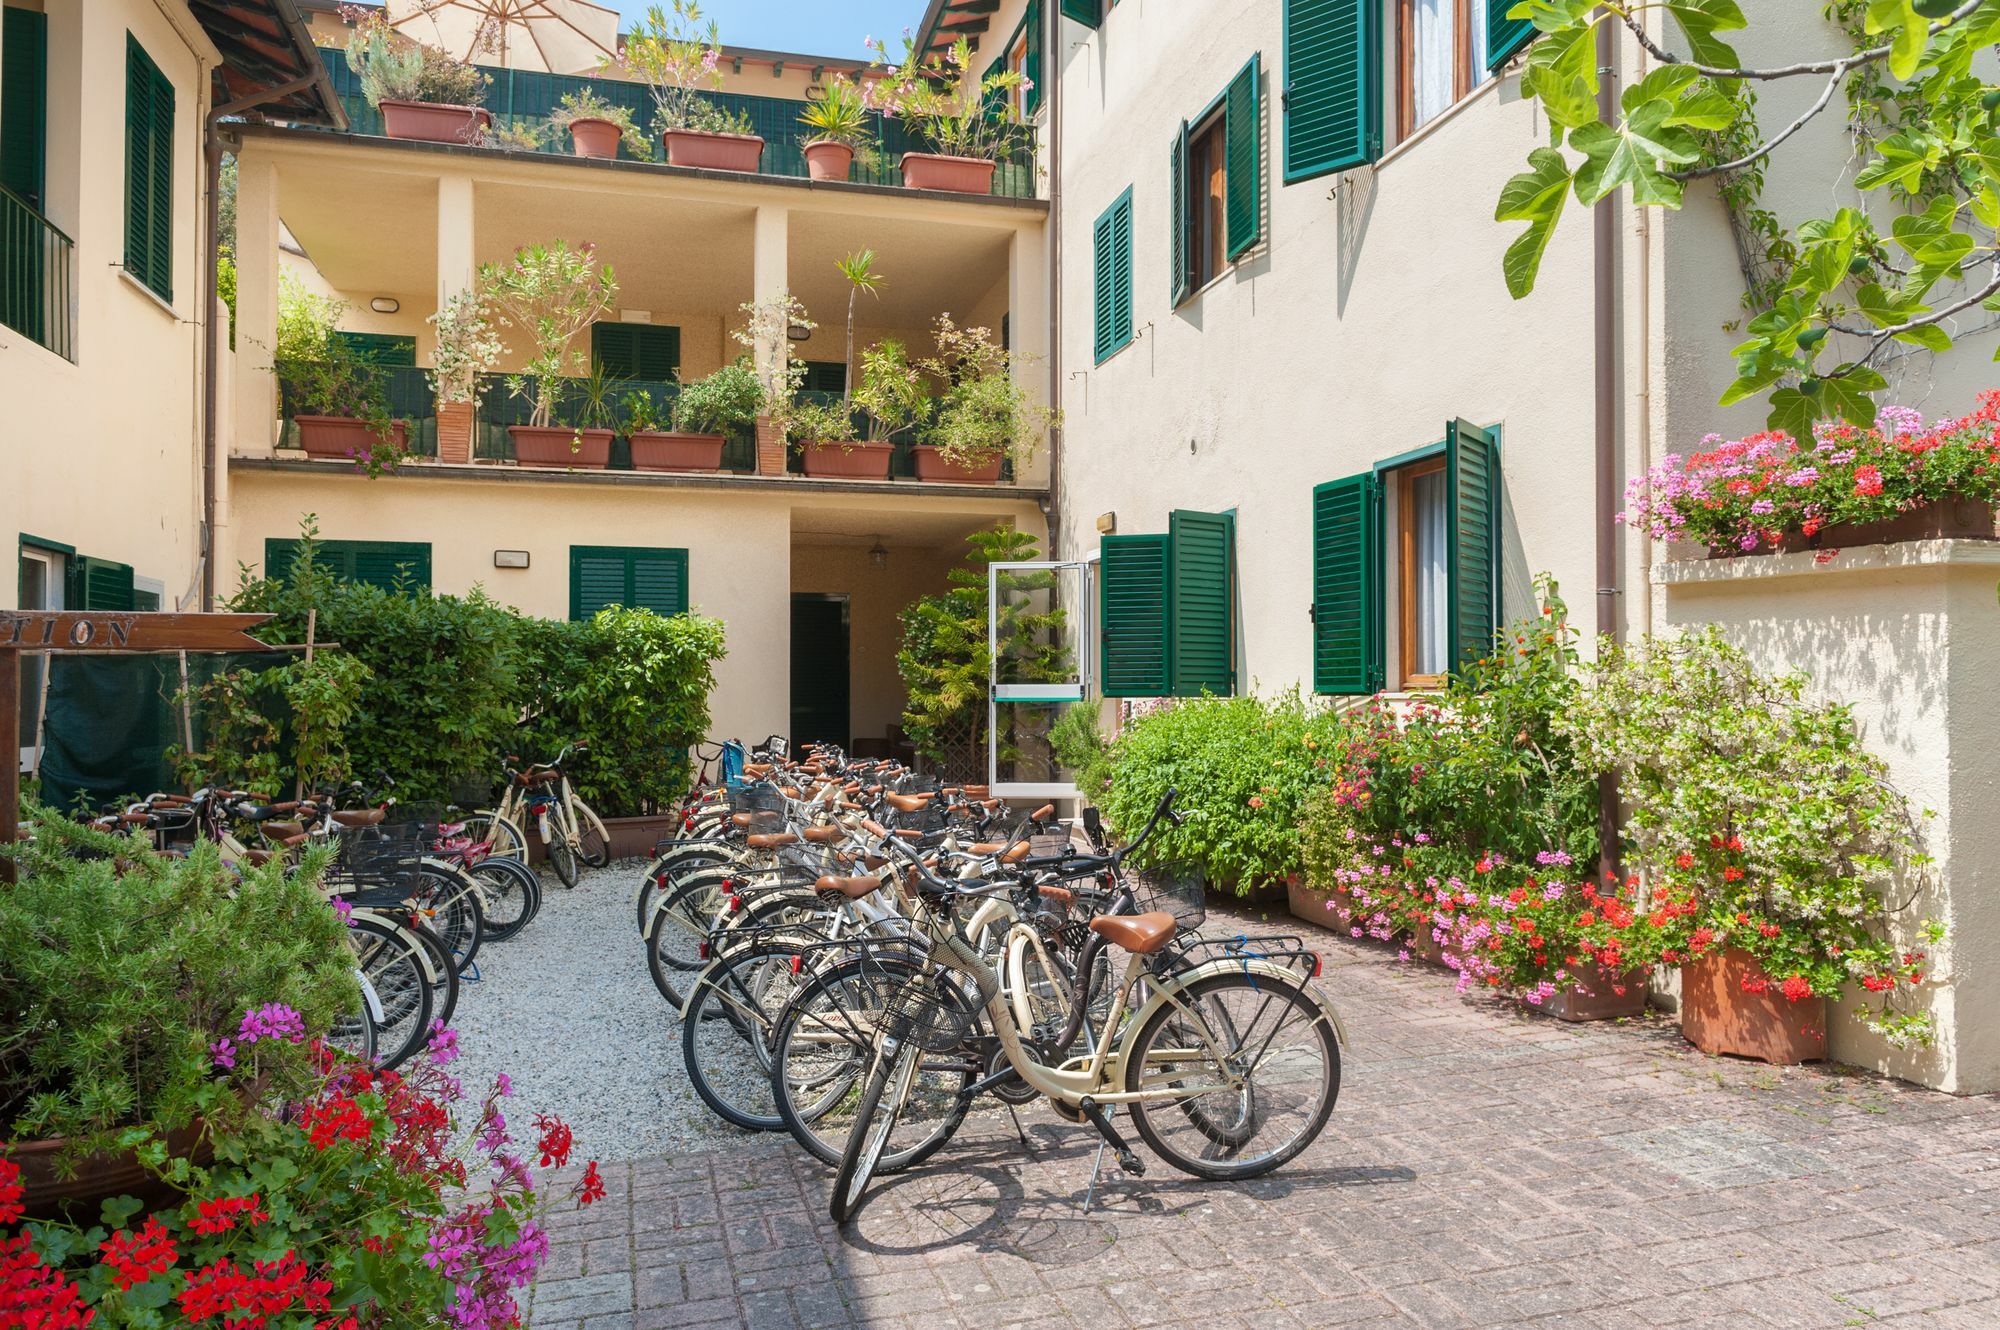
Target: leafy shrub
x=119 y=970
x=725 y=402
x=1243 y=768
x=1079 y=748
x=633 y=683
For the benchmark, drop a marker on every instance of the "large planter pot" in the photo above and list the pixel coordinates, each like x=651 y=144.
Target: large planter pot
x=826 y=160
x=1596 y=996
x=591 y=137
x=954 y=175
x=343 y=438
x=1718 y=1016
x=1945 y=519
x=715 y=152
x=554 y=446
x=434 y=122
x=932 y=465
x=45 y=1193
x=663 y=451
x=849 y=461
x=1424 y=946
x=635 y=837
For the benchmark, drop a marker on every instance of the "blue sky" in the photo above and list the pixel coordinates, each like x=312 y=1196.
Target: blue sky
x=812 y=27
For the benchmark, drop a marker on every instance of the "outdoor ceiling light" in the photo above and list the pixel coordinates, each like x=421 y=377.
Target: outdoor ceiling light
x=798 y=332
x=510 y=558
x=385 y=304
x=878 y=555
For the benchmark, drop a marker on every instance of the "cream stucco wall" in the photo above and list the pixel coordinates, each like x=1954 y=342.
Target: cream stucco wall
x=103 y=453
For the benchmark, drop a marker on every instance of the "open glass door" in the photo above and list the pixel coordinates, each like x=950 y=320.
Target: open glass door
x=1038 y=628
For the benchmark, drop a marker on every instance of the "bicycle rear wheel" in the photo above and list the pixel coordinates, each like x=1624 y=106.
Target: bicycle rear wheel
x=1277 y=1045
x=394 y=963
x=593 y=840
x=562 y=857
x=455 y=909
x=512 y=896
x=727 y=1026
x=503 y=840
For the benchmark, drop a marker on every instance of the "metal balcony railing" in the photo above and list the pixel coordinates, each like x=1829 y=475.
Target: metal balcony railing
x=410 y=400
x=35 y=265
x=521 y=97
x=500 y=406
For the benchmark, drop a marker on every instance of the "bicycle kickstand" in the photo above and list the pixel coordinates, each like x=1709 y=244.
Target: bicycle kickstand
x=1108 y=1137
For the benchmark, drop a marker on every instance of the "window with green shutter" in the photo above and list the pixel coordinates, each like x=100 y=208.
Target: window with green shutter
x=149 y=172
x=1111 y=257
x=24 y=103
x=1215 y=173
x=388 y=564
x=601 y=575
x=1180 y=239
x=648 y=351
x=1135 y=649
x=1243 y=184
x=1472 y=474
x=99 y=584
x=1201 y=586
x=1505 y=36
x=387 y=349
x=1332 y=95
x=1348 y=591
x=825 y=376
x=1087 y=12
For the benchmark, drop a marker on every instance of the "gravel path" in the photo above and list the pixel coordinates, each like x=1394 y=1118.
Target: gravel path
x=569 y=1012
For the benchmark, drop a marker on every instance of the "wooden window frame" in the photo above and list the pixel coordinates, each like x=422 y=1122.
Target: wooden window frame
x=1406 y=574
x=1463 y=77
x=1207 y=218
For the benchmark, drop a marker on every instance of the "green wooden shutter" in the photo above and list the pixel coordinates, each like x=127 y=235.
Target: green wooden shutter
x=1504 y=35
x=1332 y=99
x=1243 y=154
x=386 y=349
x=1179 y=260
x=99 y=584
x=1111 y=253
x=1472 y=469
x=1135 y=647
x=1348 y=591
x=149 y=172
x=1032 y=65
x=825 y=376
x=1086 y=12
x=24 y=103
x=601 y=575
x=376 y=562
x=647 y=351
x=1202 y=609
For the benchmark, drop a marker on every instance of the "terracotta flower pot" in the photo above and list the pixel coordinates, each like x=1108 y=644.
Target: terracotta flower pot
x=45 y=1193
x=849 y=461
x=955 y=175
x=663 y=451
x=555 y=446
x=715 y=152
x=433 y=122
x=1952 y=518
x=1595 y=996
x=591 y=137
x=827 y=160
x=343 y=438
x=1719 y=1016
x=932 y=465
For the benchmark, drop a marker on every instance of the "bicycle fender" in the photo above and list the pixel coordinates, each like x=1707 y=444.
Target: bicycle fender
x=1234 y=965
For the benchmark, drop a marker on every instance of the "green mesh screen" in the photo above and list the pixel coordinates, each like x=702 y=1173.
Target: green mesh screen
x=500 y=406
x=410 y=401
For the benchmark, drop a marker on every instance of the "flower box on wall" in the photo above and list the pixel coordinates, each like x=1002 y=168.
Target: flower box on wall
x=557 y=446
x=827 y=160
x=344 y=438
x=933 y=465
x=714 y=152
x=849 y=461
x=1598 y=995
x=434 y=122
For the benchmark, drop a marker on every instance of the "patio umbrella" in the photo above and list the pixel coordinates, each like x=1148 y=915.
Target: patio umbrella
x=558 y=36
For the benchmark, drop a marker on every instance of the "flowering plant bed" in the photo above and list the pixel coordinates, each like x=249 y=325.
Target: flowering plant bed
x=1899 y=479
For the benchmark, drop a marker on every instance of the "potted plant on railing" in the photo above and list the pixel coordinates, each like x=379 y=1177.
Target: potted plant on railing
x=985 y=418
x=422 y=92
x=676 y=59
x=973 y=124
x=465 y=347
x=596 y=127
x=704 y=416
x=823 y=431
x=334 y=395
x=551 y=294
x=837 y=113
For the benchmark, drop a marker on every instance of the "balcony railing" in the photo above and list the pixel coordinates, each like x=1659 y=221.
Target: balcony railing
x=500 y=406
x=35 y=263
x=410 y=401
x=520 y=97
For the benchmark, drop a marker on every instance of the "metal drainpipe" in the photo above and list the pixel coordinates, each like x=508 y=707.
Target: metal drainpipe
x=1052 y=247
x=211 y=144
x=1604 y=284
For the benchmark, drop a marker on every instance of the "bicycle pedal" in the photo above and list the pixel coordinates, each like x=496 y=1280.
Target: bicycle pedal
x=1131 y=1163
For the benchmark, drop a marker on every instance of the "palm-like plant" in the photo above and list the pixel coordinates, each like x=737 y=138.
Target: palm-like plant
x=859 y=270
x=838 y=113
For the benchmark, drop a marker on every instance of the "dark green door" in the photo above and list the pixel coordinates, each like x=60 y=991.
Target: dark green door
x=819 y=670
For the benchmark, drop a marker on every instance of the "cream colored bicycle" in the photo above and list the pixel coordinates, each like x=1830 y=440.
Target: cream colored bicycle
x=542 y=797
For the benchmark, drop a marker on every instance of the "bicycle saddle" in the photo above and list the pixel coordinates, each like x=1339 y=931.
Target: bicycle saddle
x=1140 y=934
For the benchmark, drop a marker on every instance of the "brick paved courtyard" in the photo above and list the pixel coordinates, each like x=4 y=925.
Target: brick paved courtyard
x=1484 y=1167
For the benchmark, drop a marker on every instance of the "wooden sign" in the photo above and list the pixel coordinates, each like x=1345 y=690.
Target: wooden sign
x=65 y=631
x=103 y=630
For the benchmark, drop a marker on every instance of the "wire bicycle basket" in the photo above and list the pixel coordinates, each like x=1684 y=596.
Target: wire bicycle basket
x=1178 y=889
x=756 y=799
x=382 y=858
x=929 y=1012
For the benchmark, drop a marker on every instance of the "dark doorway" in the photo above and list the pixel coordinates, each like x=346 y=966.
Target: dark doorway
x=819 y=670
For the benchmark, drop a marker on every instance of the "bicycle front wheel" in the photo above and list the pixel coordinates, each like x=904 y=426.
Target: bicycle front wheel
x=874 y=1119
x=562 y=855
x=502 y=839
x=592 y=840
x=726 y=1031
x=1253 y=1066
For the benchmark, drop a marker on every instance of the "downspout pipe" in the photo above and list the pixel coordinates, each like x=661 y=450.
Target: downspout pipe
x=1604 y=286
x=211 y=145
x=1052 y=248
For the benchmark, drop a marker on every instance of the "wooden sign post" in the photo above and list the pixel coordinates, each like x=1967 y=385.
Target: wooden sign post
x=88 y=632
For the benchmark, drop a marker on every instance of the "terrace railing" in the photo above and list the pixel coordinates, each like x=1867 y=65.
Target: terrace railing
x=410 y=400
x=500 y=406
x=522 y=97
x=35 y=265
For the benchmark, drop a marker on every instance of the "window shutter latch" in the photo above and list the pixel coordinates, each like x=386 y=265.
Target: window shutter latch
x=1285 y=98
x=1312 y=614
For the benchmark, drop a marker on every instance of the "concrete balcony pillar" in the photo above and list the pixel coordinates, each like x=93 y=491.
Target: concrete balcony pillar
x=255 y=431
x=770 y=279
x=1028 y=334
x=457 y=270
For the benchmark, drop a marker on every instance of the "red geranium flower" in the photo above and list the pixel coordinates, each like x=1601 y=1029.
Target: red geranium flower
x=10 y=1192
x=34 y=1295
x=1796 y=989
x=556 y=1140
x=220 y=1215
x=135 y=1257
x=592 y=1189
